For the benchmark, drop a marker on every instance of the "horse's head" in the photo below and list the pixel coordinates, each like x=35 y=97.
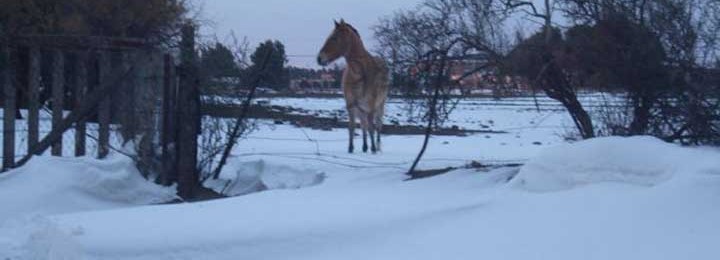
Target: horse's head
x=338 y=44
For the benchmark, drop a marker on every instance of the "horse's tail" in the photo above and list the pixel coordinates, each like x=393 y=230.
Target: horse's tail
x=384 y=88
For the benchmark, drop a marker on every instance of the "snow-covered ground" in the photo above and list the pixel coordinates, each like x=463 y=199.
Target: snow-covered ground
x=608 y=198
x=477 y=113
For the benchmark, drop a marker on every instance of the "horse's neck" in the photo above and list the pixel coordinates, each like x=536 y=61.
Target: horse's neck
x=357 y=53
x=357 y=60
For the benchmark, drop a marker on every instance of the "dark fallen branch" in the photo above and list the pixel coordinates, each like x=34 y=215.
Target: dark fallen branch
x=422 y=174
x=201 y=194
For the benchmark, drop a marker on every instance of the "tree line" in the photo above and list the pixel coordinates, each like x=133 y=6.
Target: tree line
x=227 y=68
x=155 y=20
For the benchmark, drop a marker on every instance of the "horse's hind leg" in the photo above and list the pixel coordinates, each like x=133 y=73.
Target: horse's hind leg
x=364 y=123
x=351 y=130
x=372 y=129
x=378 y=130
x=365 y=146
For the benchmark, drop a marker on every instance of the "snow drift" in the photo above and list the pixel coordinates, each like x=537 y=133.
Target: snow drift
x=52 y=185
x=624 y=198
x=644 y=161
x=240 y=178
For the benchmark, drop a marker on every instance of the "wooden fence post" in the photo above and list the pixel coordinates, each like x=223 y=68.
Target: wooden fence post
x=189 y=115
x=147 y=94
x=169 y=133
x=9 y=107
x=127 y=98
x=58 y=96
x=104 y=72
x=80 y=89
x=33 y=89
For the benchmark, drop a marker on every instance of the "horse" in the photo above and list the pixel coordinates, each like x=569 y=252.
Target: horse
x=365 y=82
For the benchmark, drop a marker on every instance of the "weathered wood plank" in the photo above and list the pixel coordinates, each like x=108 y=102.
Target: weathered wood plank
x=58 y=96
x=188 y=116
x=127 y=105
x=144 y=101
x=33 y=97
x=104 y=113
x=80 y=89
x=169 y=133
x=87 y=108
x=67 y=42
x=9 y=108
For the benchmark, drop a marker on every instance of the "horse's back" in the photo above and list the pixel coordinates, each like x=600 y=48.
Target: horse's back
x=367 y=87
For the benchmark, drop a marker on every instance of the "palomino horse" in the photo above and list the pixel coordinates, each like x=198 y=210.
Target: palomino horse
x=365 y=82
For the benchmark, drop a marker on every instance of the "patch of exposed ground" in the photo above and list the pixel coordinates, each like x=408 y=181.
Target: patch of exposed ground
x=303 y=118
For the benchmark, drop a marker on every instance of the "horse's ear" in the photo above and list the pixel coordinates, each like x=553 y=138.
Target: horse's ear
x=336 y=23
x=342 y=21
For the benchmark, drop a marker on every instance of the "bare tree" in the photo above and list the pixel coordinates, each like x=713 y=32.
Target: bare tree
x=675 y=98
x=546 y=73
x=239 y=126
x=423 y=44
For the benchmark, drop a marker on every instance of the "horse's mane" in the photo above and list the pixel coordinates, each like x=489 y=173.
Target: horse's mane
x=353 y=29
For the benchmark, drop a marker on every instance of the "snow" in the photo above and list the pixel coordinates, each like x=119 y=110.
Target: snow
x=606 y=198
x=240 y=178
x=52 y=185
x=466 y=214
x=511 y=114
x=631 y=160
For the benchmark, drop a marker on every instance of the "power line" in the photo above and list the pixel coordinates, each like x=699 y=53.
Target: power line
x=301 y=56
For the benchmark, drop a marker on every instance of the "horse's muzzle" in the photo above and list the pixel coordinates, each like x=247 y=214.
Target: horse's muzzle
x=321 y=61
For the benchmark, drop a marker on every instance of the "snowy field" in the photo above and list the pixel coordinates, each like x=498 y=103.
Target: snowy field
x=608 y=198
x=507 y=114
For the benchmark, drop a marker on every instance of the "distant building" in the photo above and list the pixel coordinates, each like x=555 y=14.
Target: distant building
x=472 y=80
x=320 y=83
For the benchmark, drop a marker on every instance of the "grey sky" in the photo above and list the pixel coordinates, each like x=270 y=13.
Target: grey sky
x=302 y=25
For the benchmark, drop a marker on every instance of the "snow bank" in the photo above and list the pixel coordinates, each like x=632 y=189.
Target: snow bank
x=644 y=161
x=37 y=238
x=372 y=213
x=239 y=178
x=51 y=185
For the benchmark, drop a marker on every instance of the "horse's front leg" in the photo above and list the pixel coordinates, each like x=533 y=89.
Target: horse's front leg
x=378 y=132
x=378 y=126
x=351 y=130
x=364 y=126
x=365 y=146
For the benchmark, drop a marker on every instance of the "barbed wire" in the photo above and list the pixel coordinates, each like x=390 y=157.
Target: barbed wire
x=375 y=164
x=345 y=161
x=317 y=144
x=295 y=139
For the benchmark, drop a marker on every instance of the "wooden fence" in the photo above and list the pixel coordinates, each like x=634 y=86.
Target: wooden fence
x=116 y=85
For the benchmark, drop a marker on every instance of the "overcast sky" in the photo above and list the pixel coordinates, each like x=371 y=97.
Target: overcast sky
x=302 y=25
